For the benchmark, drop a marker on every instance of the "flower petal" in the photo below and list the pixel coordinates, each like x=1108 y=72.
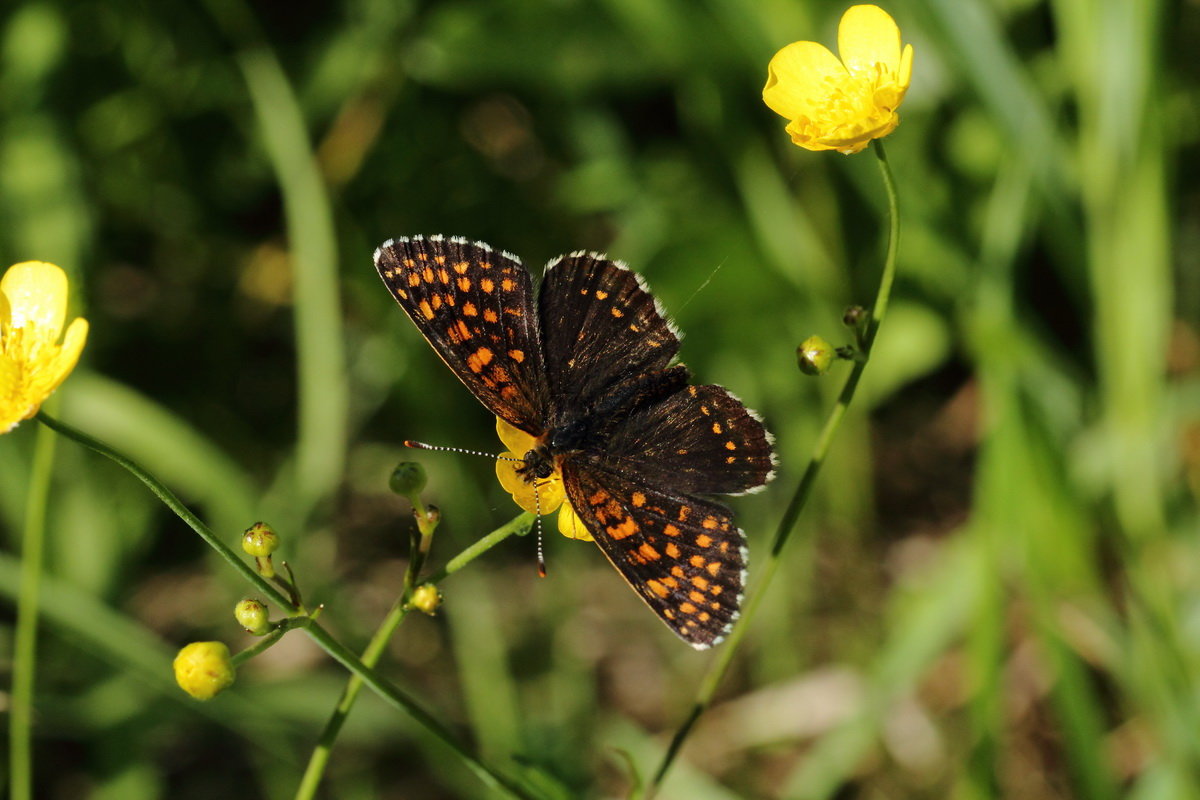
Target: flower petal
x=517 y=441
x=867 y=36
x=59 y=367
x=10 y=414
x=571 y=526
x=37 y=293
x=904 y=78
x=799 y=76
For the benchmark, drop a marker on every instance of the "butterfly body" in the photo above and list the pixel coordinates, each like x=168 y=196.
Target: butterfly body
x=585 y=368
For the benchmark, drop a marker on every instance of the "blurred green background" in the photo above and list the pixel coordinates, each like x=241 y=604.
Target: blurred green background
x=996 y=589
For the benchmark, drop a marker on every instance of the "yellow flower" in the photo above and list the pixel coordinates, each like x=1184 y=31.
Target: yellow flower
x=549 y=494
x=33 y=308
x=842 y=105
x=204 y=669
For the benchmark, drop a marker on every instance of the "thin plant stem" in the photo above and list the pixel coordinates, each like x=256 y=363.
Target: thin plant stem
x=262 y=644
x=390 y=693
x=172 y=502
x=319 y=760
x=25 y=650
x=720 y=665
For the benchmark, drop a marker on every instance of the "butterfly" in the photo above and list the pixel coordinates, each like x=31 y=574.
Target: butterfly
x=585 y=366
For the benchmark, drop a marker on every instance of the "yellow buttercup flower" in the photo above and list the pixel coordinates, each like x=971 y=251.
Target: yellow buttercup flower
x=842 y=104
x=549 y=493
x=33 y=308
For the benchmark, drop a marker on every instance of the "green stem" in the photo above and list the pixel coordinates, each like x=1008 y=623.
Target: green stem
x=262 y=644
x=720 y=665
x=172 y=502
x=320 y=757
x=388 y=691
x=25 y=650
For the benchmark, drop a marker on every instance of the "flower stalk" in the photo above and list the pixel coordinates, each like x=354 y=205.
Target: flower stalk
x=388 y=691
x=319 y=759
x=20 y=722
x=720 y=666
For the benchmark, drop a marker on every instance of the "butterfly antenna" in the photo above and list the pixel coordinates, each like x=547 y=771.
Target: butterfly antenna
x=423 y=446
x=537 y=505
x=702 y=286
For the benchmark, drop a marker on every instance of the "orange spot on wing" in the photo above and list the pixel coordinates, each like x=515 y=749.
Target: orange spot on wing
x=639 y=499
x=625 y=528
x=464 y=284
x=428 y=274
x=672 y=550
x=479 y=359
x=507 y=284
x=649 y=553
x=470 y=310
x=490 y=315
x=426 y=311
x=616 y=312
x=657 y=588
x=600 y=294
x=703 y=540
x=414 y=279
x=516 y=355
x=687 y=608
x=713 y=568
x=697 y=562
x=460 y=267
x=709 y=522
x=487 y=285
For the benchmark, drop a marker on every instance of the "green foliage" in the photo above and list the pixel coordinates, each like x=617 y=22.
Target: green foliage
x=994 y=589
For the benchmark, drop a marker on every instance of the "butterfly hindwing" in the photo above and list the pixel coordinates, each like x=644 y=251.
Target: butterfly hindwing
x=475 y=306
x=701 y=440
x=682 y=555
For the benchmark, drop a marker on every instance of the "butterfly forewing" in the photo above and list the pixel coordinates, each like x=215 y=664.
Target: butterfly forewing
x=599 y=326
x=682 y=555
x=474 y=305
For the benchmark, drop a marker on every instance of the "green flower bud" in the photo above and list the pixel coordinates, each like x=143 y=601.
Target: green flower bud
x=814 y=355
x=260 y=540
x=204 y=669
x=408 y=479
x=252 y=615
x=426 y=598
